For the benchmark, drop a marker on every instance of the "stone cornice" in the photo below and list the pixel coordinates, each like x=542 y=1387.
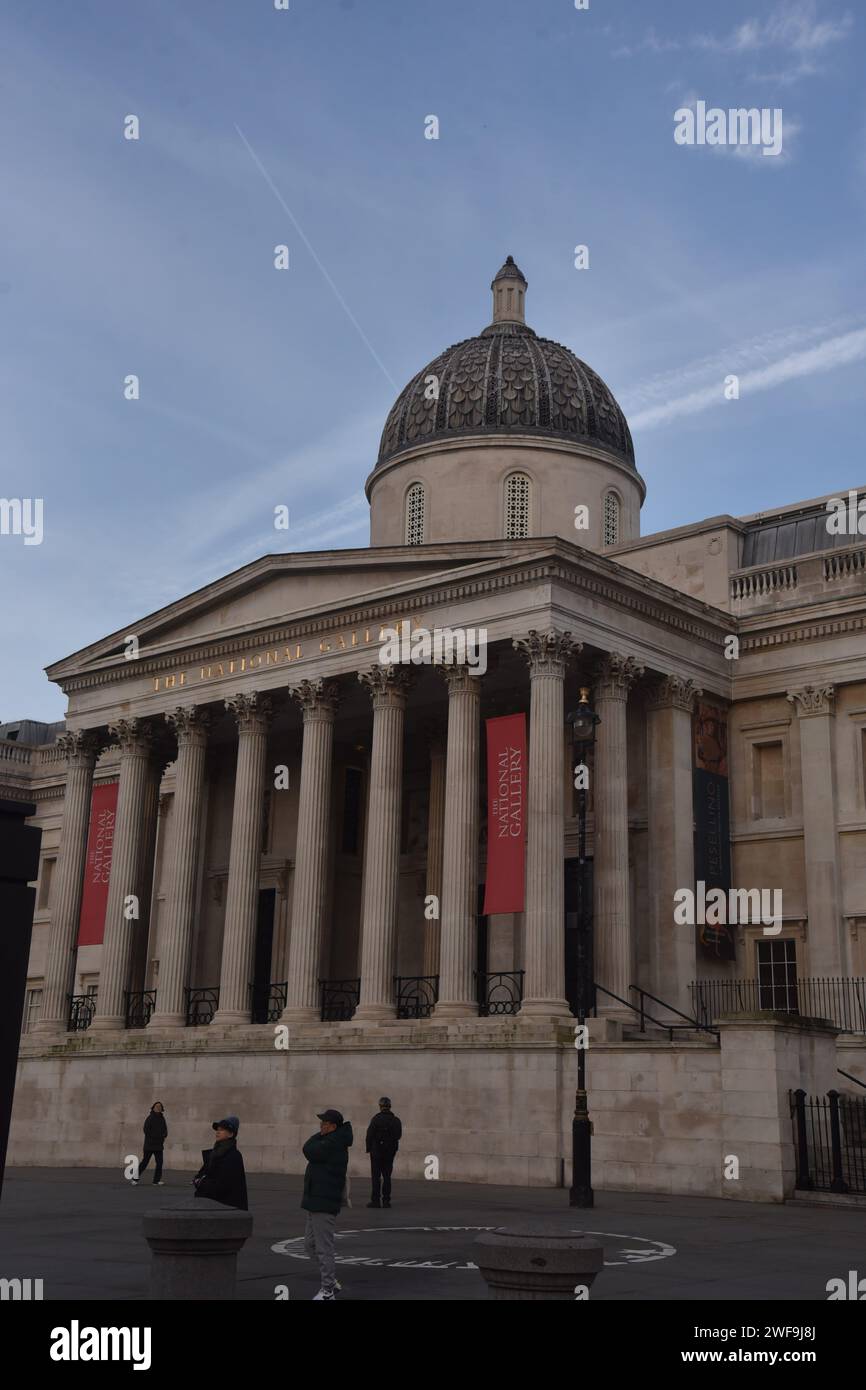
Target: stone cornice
x=584 y=572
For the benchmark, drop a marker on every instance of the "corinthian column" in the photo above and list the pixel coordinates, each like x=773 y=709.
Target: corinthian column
x=388 y=688
x=435 y=844
x=253 y=715
x=548 y=654
x=460 y=856
x=614 y=677
x=190 y=726
x=671 y=841
x=828 y=951
x=123 y=908
x=319 y=700
x=81 y=749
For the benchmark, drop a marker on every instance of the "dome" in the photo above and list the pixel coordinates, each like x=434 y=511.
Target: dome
x=507 y=380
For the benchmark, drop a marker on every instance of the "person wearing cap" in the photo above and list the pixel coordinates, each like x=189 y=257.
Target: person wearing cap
x=384 y=1133
x=221 y=1176
x=327 y=1155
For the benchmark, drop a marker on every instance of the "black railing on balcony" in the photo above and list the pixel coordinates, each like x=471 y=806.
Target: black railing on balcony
x=830 y=1138
x=140 y=1004
x=339 y=999
x=841 y=1000
x=201 y=1005
x=499 y=992
x=416 y=995
x=82 y=1007
x=268 y=1002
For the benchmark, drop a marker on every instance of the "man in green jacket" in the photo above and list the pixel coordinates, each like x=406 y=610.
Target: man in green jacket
x=327 y=1155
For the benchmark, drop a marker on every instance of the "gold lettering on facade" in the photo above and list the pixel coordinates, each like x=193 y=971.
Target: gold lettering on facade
x=276 y=656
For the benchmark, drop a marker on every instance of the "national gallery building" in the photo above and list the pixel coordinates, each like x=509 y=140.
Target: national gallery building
x=280 y=872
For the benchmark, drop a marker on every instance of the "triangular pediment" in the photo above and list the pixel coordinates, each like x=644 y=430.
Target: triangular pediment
x=280 y=589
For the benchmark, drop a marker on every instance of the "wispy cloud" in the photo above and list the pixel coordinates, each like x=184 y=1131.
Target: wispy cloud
x=793 y=31
x=826 y=356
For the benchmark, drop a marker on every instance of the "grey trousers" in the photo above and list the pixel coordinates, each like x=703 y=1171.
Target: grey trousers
x=319 y=1244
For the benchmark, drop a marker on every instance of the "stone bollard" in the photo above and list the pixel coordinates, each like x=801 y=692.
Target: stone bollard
x=194 y=1249
x=535 y=1260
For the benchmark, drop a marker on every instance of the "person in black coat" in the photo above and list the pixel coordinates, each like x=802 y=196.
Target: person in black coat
x=384 y=1133
x=155 y=1135
x=221 y=1176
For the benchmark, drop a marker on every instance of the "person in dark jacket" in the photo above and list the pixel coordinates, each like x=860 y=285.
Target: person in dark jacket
x=155 y=1135
x=327 y=1155
x=383 y=1140
x=221 y=1176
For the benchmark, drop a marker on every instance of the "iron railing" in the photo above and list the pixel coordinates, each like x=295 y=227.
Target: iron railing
x=643 y=1015
x=830 y=1139
x=417 y=995
x=82 y=1007
x=268 y=1002
x=339 y=999
x=201 y=1005
x=499 y=992
x=140 y=1004
x=841 y=1000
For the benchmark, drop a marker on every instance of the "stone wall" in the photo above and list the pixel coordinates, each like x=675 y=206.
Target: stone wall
x=491 y=1100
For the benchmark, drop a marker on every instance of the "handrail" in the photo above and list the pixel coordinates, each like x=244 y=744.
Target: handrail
x=670 y=1028
x=855 y=1079
x=692 y=1022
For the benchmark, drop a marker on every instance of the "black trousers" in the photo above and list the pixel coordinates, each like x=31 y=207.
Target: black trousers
x=148 y=1154
x=380 y=1169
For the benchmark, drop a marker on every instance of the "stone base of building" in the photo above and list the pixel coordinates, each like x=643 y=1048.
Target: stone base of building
x=490 y=1100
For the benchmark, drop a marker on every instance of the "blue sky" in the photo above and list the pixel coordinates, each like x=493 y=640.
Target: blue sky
x=261 y=388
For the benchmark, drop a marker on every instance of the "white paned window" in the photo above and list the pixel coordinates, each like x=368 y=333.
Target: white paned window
x=516 y=507
x=415 y=514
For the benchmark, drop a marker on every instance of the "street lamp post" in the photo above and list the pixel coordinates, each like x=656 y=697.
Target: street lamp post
x=583 y=721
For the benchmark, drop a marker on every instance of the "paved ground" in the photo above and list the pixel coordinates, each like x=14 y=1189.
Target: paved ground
x=80 y=1231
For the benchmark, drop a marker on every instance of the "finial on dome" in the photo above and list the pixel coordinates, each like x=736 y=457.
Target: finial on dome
x=509 y=287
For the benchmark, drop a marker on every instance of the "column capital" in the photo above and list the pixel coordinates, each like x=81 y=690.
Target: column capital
x=318 y=699
x=459 y=679
x=133 y=736
x=547 y=653
x=253 y=712
x=812 y=699
x=386 y=685
x=189 y=723
x=81 y=747
x=615 y=675
x=673 y=692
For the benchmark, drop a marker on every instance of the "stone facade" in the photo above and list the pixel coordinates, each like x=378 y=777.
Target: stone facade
x=288 y=807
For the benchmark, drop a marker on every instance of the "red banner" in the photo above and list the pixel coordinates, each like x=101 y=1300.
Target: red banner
x=100 y=840
x=506 y=814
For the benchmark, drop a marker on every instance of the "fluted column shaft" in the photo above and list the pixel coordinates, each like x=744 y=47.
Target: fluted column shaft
x=136 y=747
x=460 y=851
x=435 y=849
x=252 y=713
x=613 y=942
x=388 y=688
x=175 y=929
x=544 y=963
x=671 y=851
x=319 y=701
x=81 y=751
x=829 y=943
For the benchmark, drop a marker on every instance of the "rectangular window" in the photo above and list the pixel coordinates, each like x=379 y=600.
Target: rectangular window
x=777 y=975
x=46 y=872
x=769 y=781
x=352 y=810
x=32 y=1007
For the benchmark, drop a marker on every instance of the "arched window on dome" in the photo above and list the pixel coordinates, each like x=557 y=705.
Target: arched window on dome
x=516 y=506
x=415 y=508
x=610 y=519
